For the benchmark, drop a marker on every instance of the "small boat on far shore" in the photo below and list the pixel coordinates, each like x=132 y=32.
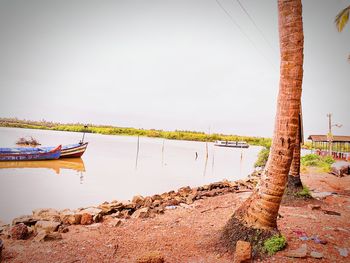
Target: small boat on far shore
x=26 y=154
x=234 y=144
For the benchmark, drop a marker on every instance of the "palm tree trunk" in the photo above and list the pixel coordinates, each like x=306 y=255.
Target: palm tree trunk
x=260 y=211
x=294 y=181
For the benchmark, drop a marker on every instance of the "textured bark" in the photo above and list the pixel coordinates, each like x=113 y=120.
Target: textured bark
x=294 y=181
x=261 y=209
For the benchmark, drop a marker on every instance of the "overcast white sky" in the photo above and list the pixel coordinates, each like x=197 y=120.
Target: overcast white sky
x=167 y=64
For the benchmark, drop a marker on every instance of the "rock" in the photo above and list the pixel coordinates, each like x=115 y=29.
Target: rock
x=128 y=205
x=70 y=218
x=47 y=214
x=243 y=252
x=316 y=254
x=86 y=219
x=184 y=191
x=96 y=214
x=63 y=229
x=314 y=207
x=109 y=208
x=190 y=199
x=19 y=231
x=152 y=257
x=300 y=252
x=148 y=201
x=320 y=195
x=159 y=210
x=172 y=202
x=125 y=214
x=47 y=226
x=116 y=215
x=157 y=203
x=156 y=197
x=44 y=236
x=138 y=200
x=141 y=213
x=28 y=220
x=340 y=168
x=115 y=223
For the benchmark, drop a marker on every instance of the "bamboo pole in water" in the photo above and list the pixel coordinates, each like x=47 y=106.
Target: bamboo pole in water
x=137 y=151
x=163 y=153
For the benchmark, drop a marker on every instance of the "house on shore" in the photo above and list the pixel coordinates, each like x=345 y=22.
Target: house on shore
x=340 y=146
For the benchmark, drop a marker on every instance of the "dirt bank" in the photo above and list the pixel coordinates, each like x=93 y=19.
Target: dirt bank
x=190 y=233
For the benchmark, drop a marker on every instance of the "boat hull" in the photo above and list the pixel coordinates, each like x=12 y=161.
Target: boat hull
x=24 y=154
x=73 y=150
x=231 y=144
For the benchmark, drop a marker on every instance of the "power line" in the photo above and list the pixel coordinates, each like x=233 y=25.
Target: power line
x=242 y=31
x=256 y=26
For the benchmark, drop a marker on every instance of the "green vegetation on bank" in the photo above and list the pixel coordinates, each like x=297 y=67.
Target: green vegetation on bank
x=262 y=157
x=112 y=130
x=322 y=162
x=274 y=244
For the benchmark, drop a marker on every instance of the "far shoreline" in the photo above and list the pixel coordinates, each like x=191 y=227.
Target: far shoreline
x=128 y=131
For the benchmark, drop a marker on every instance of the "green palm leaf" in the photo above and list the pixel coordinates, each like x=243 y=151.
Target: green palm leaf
x=342 y=18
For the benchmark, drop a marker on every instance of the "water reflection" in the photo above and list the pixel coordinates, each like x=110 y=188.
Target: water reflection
x=76 y=164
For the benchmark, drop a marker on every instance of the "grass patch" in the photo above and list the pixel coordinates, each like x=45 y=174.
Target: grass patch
x=305 y=192
x=274 y=244
x=323 y=163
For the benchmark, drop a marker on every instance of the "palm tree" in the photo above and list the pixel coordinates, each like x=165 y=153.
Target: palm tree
x=256 y=218
x=294 y=184
x=342 y=18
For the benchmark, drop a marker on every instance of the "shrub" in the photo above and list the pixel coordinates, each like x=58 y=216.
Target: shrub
x=262 y=157
x=305 y=192
x=274 y=244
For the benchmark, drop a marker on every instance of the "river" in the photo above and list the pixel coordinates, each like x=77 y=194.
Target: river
x=110 y=169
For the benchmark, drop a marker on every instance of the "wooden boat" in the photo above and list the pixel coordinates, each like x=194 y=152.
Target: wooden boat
x=73 y=150
x=234 y=144
x=68 y=151
x=76 y=164
x=26 y=154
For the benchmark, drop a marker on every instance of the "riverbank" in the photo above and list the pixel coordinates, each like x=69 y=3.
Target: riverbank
x=191 y=232
x=127 y=131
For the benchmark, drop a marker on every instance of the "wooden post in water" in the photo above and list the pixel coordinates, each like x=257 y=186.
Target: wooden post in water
x=137 y=150
x=163 y=152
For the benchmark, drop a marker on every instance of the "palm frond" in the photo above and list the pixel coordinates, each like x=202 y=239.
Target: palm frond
x=342 y=18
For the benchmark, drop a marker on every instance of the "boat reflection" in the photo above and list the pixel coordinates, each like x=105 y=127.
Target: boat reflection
x=76 y=164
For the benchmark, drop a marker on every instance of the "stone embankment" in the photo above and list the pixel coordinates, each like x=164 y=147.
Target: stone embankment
x=48 y=224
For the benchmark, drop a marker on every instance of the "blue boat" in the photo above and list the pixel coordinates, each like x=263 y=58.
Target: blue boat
x=68 y=151
x=25 y=154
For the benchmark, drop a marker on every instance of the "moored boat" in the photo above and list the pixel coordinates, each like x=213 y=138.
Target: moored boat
x=73 y=150
x=68 y=151
x=26 y=154
x=234 y=144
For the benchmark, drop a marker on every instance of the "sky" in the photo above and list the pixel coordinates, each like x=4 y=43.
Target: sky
x=201 y=65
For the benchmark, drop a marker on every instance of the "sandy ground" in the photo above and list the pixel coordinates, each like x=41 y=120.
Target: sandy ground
x=191 y=234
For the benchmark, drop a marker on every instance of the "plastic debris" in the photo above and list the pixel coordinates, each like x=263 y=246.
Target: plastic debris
x=343 y=251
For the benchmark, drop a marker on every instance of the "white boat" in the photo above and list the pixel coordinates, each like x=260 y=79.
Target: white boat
x=235 y=144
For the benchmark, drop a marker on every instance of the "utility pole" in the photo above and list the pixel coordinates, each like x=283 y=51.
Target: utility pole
x=330 y=135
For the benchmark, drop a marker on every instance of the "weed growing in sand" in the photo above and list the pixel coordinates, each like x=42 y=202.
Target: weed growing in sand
x=305 y=192
x=274 y=244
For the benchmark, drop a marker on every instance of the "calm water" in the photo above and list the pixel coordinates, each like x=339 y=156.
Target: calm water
x=108 y=170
